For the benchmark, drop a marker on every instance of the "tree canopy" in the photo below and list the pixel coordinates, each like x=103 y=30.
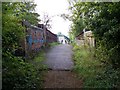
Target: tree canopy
x=103 y=19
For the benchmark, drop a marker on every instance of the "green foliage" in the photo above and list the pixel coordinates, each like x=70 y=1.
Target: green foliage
x=101 y=67
x=54 y=44
x=94 y=73
x=12 y=16
x=37 y=61
x=17 y=74
x=106 y=29
x=21 y=10
x=103 y=19
x=12 y=32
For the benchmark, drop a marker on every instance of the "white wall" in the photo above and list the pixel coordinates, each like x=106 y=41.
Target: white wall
x=61 y=39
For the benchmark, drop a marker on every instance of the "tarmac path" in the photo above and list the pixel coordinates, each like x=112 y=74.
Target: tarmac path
x=60 y=64
x=60 y=57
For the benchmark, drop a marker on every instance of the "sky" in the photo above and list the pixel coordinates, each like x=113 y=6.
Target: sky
x=54 y=8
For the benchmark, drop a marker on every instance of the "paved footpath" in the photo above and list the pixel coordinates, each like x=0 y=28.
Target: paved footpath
x=59 y=57
x=59 y=61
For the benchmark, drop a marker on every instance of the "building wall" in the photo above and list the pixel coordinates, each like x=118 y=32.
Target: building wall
x=50 y=37
x=89 y=39
x=86 y=38
x=79 y=42
x=34 y=39
x=62 y=40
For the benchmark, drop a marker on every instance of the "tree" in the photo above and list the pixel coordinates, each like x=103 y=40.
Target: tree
x=15 y=72
x=46 y=21
x=103 y=19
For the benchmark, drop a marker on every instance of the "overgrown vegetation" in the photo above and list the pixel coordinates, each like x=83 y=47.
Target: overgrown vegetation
x=102 y=18
x=95 y=74
x=53 y=44
x=101 y=67
x=16 y=72
x=38 y=60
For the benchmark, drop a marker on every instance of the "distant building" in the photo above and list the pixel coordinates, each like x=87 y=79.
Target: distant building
x=80 y=38
x=63 y=39
x=85 y=38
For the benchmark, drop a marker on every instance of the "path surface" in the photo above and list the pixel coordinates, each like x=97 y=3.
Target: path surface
x=62 y=79
x=59 y=61
x=59 y=57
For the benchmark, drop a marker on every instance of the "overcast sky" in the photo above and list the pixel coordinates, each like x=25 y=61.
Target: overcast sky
x=53 y=8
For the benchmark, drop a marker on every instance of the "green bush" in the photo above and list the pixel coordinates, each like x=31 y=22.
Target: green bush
x=18 y=74
x=95 y=74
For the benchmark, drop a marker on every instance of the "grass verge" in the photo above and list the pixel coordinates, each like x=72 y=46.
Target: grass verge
x=39 y=66
x=94 y=73
x=53 y=44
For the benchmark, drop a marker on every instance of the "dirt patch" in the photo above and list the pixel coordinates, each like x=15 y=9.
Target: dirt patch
x=61 y=79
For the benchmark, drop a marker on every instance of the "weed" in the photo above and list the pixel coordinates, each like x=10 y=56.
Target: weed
x=53 y=44
x=95 y=73
x=18 y=74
